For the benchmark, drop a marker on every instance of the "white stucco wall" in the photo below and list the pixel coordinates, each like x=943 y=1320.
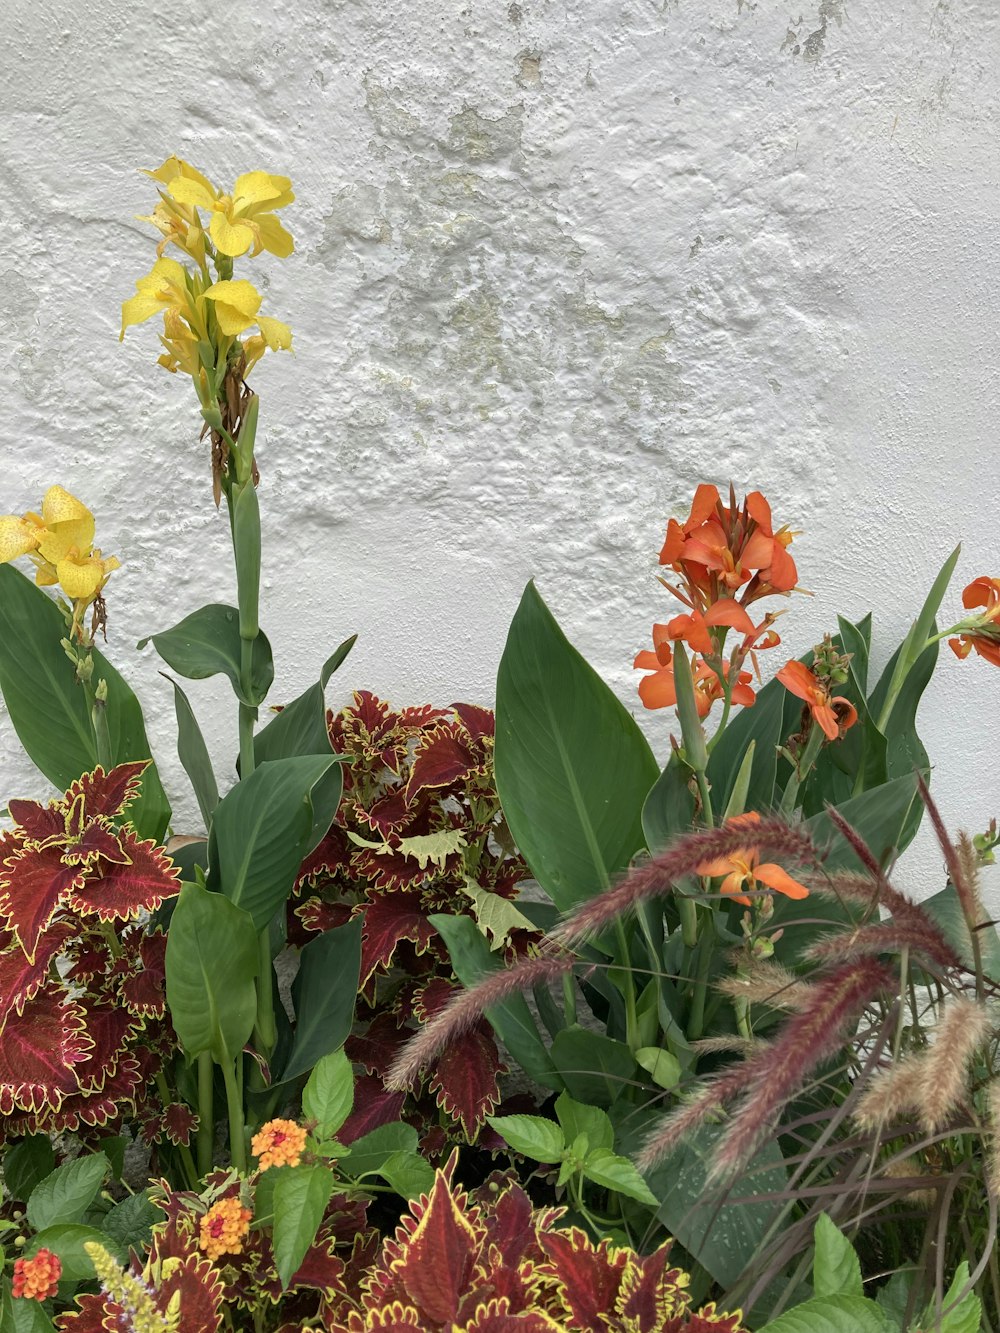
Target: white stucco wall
x=556 y=263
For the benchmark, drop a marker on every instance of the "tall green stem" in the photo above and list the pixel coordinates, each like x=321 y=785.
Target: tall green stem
x=802 y=770
x=625 y=963
x=234 y=1105
x=206 y=1112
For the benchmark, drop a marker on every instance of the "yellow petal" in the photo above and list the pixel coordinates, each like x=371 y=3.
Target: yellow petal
x=196 y=193
x=231 y=239
x=69 y=522
x=276 y=334
x=138 y=309
x=46 y=575
x=80 y=578
x=273 y=236
x=255 y=187
x=175 y=167
x=240 y=300
x=18 y=536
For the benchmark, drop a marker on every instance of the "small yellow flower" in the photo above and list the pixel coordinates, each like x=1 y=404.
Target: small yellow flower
x=181 y=344
x=246 y=217
x=83 y=576
x=165 y=287
x=178 y=223
x=236 y=305
x=279 y=1143
x=223 y=1228
x=65 y=524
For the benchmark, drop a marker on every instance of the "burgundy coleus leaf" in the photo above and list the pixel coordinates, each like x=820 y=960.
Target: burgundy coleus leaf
x=37 y=822
x=705 y=1320
x=40 y=1053
x=373 y=1106
x=315 y=914
x=444 y=756
x=438 y=1257
x=200 y=1288
x=650 y=1291
x=466 y=1078
x=387 y=921
x=109 y=793
x=496 y=1316
x=97 y=843
x=331 y=856
x=390 y=872
x=95 y=1109
x=480 y=723
x=377 y=1047
x=33 y=884
x=389 y=814
x=590 y=1276
x=509 y=1227
x=97 y=1314
x=320 y=1270
x=120 y=892
x=392 y=1318
x=110 y=1027
x=144 y=991
x=90 y=957
x=21 y=977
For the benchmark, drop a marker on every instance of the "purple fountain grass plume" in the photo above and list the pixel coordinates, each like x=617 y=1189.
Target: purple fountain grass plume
x=891 y=1093
x=767 y=982
x=464 y=1010
x=771 y=837
x=993 y=1138
x=878 y=891
x=965 y=888
x=963 y=1027
x=775 y=1074
x=715 y=1093
x=886 y=937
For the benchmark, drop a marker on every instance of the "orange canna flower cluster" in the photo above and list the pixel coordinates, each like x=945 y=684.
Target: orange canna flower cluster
x=981 y=632
x=37 y=1278
x=279 y=1143
x=742 y=871
x=223 y=1228
x=833 y=713
x=725 y=558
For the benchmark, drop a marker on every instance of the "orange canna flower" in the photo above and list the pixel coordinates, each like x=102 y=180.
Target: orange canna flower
x=223 y=1228
x=724 y=547
x=743 y=873
x=37 y=1278
x=694 y=628
x=984 y=635
x=659 y=690
x=279 y=1143
x=834 y=714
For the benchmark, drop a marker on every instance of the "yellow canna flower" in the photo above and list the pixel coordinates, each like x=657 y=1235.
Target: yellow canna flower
x=68 y=524
x=246 y=217
x=236 y=305
x=273 y=334
x=163 y=288
x=18 y=536
x=178 y=223
x=181 y=344
x=83 y=576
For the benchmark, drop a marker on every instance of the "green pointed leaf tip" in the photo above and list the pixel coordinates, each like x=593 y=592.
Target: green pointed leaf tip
x=301 y=1194
x=328 y=1096
x=617 y=1174
x=531 y=1135
x=572 y=767
x=832 y=1314
x=836 y=1267
x=207 y=643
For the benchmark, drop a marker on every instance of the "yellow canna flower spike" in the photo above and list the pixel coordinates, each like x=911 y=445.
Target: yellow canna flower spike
x=246 y=217
x=69 y=525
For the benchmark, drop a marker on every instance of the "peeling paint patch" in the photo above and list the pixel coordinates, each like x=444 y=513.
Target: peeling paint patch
x=484 y=138
x=810 y=45
x=529 y=69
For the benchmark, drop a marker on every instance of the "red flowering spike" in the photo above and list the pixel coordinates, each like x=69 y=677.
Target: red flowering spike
x=20 y=978
x=108 y=794
x=590 y=1277
x=439 y=1256
x=443 y=757
x=478 y=722
x=120 y=892
x=33 y=883
x=387 y=921
x=40 y=1052
x=373 y=1106
x=38 y=822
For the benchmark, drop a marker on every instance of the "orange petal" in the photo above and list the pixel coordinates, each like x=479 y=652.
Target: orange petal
x=658 y=690
x=731 y=887
x=722 y=865
x=797 y=677
x=780 y=880
x=848 y=714
x=758 y=553
x=744 y=696
x=961 y=647
x=783 y=575
x=727 y=611
x=673 y=543
x=827 y=719
x=702 y=507
x=693 y=631
x=981 y=592
x=759 y=510
x=647 y=661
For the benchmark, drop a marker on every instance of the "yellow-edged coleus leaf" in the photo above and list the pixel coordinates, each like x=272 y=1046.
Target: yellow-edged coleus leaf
x=439 y=1256
x=40 y=1053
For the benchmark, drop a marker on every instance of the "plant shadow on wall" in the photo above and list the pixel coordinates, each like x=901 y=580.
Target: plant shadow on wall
x=757 y=1084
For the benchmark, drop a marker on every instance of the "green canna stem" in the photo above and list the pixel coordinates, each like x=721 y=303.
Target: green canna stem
x=802 y=769
x=237 y=1128
x=206 y=1112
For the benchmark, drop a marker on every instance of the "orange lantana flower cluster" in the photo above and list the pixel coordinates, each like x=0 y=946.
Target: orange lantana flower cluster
x=223 y=1228
x=279 y=1143
x=725 y=557
x=984 y=635
x=37 y=1278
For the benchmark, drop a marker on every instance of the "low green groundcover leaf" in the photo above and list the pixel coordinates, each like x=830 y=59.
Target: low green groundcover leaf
x=67 y=1193
x=373 y=1149
x=66 y=1240
x=617 y=1174
x=26 y=1162
x=328 y=1096
x=836 y=1268
x=409 y=1174
x=531 y=1135
x=832 y=1314
x=301 y=1194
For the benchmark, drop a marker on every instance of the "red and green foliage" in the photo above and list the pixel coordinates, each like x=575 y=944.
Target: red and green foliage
x=419 y=831
x=82 y=1007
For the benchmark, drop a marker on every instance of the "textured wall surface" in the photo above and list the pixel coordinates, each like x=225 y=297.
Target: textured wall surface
x=556 y=263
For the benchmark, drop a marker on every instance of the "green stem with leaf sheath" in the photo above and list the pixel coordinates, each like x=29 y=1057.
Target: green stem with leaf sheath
x=206 y=1112
x=234 y=1105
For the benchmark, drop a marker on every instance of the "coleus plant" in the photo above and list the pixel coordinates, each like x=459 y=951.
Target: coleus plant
x=82 y=1006
x=418 y=833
